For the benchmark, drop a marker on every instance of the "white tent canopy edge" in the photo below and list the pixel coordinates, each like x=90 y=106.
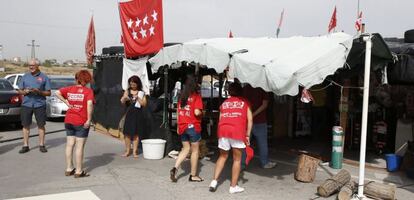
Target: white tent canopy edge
x=278 y=65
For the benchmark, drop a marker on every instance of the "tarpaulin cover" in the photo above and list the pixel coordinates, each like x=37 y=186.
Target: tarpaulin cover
x=276 y=65
x=401 y=71
x=108 y=91
x=108 y=109
x=136 y=67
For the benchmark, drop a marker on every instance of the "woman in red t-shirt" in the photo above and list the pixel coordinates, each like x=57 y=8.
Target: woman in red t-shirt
x=189 y=112
x=79 y=99
x=234 y=129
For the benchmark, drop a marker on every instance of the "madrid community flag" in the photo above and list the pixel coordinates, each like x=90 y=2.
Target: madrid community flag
x=142 y=27
x=280 y=23
x=90 y=45
x=358 y=23
x=332 y=23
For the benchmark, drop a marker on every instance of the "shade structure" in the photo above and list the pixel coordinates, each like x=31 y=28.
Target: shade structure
x=278 y=65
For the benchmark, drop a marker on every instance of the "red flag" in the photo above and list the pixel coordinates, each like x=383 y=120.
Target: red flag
x=249 y=154
x=358 y=22
x=332 y=23
x=230 y=34
x=142 y=28
x=90 y=46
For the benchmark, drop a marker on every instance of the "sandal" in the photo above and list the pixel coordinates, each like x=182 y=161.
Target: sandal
x=173 y=171
x=81 y=175
x=70 y=173
x=197 y=179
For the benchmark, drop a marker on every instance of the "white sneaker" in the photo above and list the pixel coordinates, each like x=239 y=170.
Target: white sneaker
x=236 y=189
x=213 y=186
x=270 y=165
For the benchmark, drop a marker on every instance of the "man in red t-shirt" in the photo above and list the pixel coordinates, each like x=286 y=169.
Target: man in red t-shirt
x=79 y=99
x=259 y=101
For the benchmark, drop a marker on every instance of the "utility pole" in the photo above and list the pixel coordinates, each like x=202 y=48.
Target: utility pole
x=33 y=53
x=1 y=52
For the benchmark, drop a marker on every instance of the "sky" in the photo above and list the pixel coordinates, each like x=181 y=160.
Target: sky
x=60 y=27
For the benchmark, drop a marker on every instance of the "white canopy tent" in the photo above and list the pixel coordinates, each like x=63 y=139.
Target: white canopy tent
x=278 y=65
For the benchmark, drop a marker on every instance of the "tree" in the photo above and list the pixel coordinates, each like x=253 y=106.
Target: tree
x=47 y=63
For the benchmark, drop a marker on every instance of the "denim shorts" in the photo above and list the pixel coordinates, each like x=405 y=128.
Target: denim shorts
x=77 y=131
x=191 y=135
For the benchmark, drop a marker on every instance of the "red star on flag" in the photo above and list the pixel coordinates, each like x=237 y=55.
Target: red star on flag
x=142 y=27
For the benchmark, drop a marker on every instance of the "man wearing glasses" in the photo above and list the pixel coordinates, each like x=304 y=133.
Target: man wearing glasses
x=35 y=86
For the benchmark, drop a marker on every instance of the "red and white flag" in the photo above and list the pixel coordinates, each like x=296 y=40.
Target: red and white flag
x=358 y=23
x=90 y=45
x=306 y=96
x=142 y=27
x=332 y=23
x=230 y=34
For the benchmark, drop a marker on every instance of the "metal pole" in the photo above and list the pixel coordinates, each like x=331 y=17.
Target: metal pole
x=362 y=153
x=358 y=10
x=1 y=52
x=165 y=116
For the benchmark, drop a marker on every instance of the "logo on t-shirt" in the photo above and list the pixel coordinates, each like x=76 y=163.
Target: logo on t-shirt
x=232 y=114
x=233 y=105
x=39 y=79
x=75 y=97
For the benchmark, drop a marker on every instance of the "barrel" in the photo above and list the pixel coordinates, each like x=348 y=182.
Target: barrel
x=337 y=152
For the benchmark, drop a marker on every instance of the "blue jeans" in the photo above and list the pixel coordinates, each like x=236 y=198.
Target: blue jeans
x=259 y=131
x=190 y=135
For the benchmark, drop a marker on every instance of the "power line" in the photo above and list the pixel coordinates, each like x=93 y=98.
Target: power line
x=54 y=26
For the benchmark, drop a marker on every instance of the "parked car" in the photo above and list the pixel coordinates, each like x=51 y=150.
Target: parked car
x=10 y=103
x=14 y=79
x=206 y=89
x=55 y=108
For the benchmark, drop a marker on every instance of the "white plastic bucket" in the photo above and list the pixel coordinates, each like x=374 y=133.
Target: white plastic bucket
x=153 y=149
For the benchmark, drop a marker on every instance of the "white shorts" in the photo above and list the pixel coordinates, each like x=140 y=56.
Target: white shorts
x=227 y=143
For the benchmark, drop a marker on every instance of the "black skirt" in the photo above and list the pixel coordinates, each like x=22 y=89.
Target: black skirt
x=134 y=122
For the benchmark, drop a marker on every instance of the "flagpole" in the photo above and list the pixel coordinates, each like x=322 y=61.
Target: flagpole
x=358 y=10
x=120 y=21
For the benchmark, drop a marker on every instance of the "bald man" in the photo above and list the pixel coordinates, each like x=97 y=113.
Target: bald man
x=35 y=86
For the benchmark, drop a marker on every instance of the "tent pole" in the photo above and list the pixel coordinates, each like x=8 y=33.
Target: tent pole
x=362 y=153
x=165 y=116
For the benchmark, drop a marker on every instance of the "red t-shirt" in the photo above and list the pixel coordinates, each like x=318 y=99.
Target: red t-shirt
x=77 y=96
x=186 y=115
x=233 y=119
x=256 y=96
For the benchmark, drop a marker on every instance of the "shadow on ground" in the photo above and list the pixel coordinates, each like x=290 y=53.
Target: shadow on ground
x=94 y=162
x=15 y=145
